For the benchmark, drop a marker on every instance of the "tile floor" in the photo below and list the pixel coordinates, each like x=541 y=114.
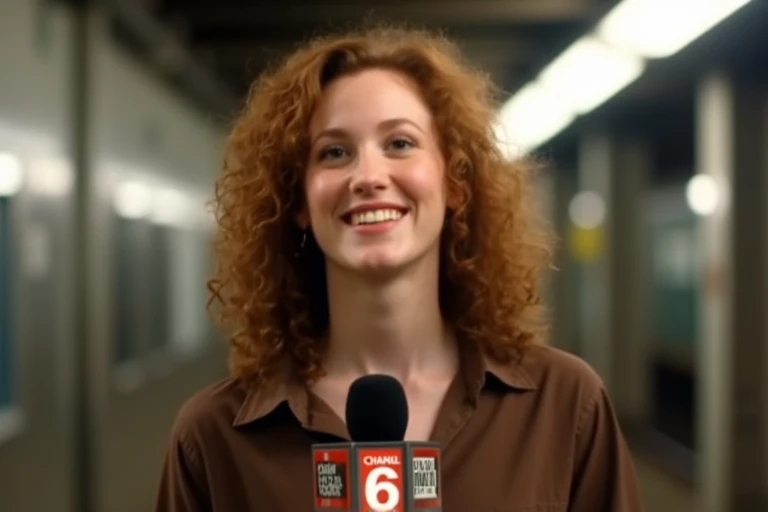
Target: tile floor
x=661 y=491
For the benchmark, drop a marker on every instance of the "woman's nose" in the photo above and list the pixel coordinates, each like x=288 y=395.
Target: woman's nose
x=371 y=174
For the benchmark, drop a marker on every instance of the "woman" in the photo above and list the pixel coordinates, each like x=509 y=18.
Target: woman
x=369 y=224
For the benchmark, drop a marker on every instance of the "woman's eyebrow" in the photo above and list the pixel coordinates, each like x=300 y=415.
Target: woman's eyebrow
x=385 y=125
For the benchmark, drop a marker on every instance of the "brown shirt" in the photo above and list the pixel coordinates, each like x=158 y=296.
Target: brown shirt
x=539 y=436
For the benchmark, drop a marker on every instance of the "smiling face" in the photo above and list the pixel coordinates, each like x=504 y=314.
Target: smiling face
x=375 y=181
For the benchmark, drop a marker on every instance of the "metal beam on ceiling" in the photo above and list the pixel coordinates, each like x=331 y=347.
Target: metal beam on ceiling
x=510 y=49
x=170 y=57
x=420 y=12
x=503 y=59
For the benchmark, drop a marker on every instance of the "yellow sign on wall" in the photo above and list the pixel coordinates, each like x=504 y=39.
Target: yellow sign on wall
x=587 y=245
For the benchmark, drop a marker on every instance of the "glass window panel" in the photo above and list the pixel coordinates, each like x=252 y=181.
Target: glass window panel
x=188 y=275
x=126 y=289
x=156 y=297
x=6 y=332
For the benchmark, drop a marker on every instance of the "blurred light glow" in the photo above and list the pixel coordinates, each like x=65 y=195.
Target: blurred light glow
x=11 y=174
x=660 y=28
x=590 y=72
x=170 y=207
x=600 y=65
x=702 y=194
x=133 y=200
x=530 y=118
x=587 y=210
x=51 y=177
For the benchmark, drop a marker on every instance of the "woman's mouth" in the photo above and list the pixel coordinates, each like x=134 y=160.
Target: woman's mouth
x=375 y=221
x=374 y=216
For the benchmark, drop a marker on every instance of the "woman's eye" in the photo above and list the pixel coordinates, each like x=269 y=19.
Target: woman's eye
x=332 y=153
x=401 y=143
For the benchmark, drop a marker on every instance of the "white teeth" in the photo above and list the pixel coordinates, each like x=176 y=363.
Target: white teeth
x=373 y=216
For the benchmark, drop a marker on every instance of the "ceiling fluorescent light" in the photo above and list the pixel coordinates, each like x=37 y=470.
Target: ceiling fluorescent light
x=530 y=118
x=11 y=174
x=590 y=72
x=133 y=200
x=660 y=28
x=170 y=207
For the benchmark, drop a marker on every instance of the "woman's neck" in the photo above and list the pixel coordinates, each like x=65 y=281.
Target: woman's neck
x=389 y=326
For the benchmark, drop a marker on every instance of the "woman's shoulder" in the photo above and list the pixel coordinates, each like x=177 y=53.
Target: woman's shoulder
x=563 y=388
x=209 y=410
x=554 y=370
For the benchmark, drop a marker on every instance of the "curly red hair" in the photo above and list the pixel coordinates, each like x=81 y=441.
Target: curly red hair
x=492 y=251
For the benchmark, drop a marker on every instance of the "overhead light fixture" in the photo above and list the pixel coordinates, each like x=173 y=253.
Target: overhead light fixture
x=133 y=200
x=51 y=176
x=170 y=207
x=11 y=174
x=702 y=194
x=598 y=66
x=530 y=118
x=587 y=210
x=660 y=28
x=590 y=72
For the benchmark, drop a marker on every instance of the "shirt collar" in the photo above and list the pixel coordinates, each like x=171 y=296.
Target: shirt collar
x=477 y=366
x=262 y=398
x=286 y=387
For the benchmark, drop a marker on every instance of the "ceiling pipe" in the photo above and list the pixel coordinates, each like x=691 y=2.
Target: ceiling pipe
x=167 y=53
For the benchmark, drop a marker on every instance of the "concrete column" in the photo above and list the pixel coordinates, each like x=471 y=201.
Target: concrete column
x=544 y=204
x=732 y=131
x=589 y=246
x=630 y=282
x=564 y=304
x=614 y=277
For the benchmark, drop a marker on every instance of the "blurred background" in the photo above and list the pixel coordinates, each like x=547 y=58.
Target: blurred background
x=652 y=118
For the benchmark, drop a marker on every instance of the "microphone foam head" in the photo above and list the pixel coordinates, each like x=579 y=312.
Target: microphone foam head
x=377 y=410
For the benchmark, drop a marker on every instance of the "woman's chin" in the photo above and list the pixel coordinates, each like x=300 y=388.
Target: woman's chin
x=383 y=262
x=375 y=263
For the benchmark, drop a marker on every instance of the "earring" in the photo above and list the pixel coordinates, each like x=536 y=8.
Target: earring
x=302 y=243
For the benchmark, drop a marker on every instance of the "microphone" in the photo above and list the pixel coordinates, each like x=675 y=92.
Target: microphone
x=377 y=471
